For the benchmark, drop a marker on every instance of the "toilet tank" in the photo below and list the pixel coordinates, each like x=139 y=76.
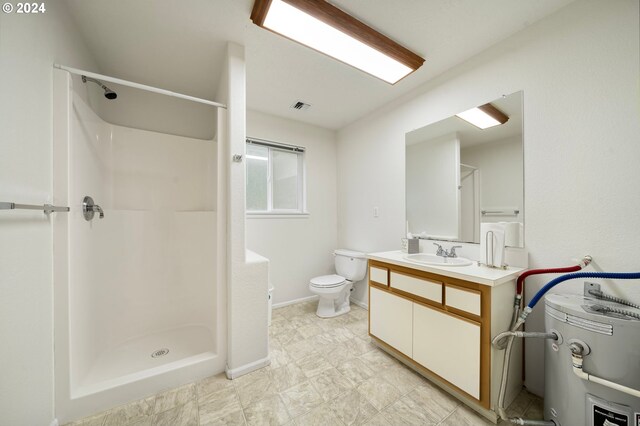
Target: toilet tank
x=350 y=264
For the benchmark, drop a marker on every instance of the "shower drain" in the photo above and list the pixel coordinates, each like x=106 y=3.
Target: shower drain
x=159 y=353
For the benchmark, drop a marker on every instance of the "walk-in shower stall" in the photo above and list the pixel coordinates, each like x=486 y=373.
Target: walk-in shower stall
x=138 y=305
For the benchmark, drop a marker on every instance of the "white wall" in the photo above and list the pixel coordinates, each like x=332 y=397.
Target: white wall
x=29 y=45
x=168 y=115
x=432 y=179
x=298 y=248
x=579 y=73
x=501 y=175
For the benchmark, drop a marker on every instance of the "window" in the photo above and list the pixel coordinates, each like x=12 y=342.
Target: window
x=275 y=178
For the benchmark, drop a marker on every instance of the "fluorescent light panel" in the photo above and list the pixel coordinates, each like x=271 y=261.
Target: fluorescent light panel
x=298 y=25
x=484 y=116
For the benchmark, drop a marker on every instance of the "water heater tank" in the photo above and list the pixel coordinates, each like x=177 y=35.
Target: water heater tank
x=613 y=346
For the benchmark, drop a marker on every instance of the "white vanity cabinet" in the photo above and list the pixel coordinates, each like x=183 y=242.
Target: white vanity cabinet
x=449 y=345
x=441 y=325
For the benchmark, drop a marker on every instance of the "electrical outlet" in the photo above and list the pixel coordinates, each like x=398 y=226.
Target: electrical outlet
x=590 y=286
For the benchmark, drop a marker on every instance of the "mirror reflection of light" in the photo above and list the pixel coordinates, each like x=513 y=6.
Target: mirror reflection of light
x=478 y=118
x=257 y=157
x=297 y=25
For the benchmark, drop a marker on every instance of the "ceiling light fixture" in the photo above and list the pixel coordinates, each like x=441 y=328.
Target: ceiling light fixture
x=484 y=116
x=329 y=30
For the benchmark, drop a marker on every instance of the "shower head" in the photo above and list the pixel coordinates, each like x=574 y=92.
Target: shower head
x=108 y=93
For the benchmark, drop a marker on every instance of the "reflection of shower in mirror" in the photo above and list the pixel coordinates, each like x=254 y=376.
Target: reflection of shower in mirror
x=469 y=202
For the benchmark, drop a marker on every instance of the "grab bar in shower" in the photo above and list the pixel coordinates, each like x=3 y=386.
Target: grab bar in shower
x=46 y=208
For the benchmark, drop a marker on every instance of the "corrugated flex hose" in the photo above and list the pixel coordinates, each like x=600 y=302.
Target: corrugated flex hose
x=600 y=295
x=567 y=277
x=584 y=262
x=624 y=312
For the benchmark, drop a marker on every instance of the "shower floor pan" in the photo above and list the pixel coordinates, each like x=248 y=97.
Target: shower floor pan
x=148 y=356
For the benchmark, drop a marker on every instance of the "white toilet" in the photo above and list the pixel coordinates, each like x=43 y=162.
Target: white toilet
x=334 y=290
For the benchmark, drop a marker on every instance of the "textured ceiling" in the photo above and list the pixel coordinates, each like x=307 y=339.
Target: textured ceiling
x=179 y=46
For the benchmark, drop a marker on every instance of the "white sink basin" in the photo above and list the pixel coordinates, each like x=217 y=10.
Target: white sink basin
x=432 y=259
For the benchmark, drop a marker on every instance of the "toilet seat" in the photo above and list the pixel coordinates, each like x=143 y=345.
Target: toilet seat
x=327 y=281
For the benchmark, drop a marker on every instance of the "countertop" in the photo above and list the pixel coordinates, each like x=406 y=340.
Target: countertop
x=480 y=274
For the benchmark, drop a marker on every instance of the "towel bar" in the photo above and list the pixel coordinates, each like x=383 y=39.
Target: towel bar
x=46 y=208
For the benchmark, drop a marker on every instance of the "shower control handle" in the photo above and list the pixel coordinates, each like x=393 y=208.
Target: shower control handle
x=89 y=209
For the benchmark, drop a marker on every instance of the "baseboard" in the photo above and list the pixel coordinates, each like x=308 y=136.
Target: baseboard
x=310 y=298
x=54 y=422
x=294 y=301
x=247 y=368
x=359 y=303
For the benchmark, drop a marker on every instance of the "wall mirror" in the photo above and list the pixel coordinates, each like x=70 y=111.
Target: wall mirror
x=459 y=176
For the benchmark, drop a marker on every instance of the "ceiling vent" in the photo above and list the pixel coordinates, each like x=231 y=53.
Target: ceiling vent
x=300 y=106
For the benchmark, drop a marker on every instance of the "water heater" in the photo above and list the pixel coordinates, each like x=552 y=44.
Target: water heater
x=610 y=343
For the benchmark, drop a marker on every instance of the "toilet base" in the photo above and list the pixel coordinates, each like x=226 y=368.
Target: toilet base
x=329 y=307
x=326 y=308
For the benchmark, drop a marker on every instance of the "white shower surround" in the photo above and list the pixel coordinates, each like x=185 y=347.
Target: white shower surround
x=144 y=277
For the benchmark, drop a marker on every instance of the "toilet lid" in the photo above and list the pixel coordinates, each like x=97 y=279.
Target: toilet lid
x=327 y=281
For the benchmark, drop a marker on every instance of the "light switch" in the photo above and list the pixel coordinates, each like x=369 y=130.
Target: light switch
x=375 y=212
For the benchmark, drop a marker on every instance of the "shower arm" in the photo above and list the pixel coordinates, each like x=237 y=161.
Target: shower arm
x=98 y=82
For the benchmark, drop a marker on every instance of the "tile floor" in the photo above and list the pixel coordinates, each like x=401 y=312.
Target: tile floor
x=322 y=372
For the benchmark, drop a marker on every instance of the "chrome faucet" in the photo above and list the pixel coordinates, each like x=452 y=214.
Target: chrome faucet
x=97 y=209
x=89 y=208
x=452 y=251
x=446 y=253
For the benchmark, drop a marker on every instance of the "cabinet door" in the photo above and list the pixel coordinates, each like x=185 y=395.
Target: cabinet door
x=390 y=319
x=449 y=346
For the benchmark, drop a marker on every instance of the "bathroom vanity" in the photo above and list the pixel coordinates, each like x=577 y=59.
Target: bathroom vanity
x=440 y=320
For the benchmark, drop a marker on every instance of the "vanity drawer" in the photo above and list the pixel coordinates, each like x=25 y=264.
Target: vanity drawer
x=379 y=275
x=422 y=287
x=463 y=299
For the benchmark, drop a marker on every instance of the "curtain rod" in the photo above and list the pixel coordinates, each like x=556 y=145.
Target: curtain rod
x=275 y=144
x=138 y=86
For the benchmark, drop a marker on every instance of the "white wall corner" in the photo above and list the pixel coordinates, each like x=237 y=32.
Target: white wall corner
x=360 y=303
